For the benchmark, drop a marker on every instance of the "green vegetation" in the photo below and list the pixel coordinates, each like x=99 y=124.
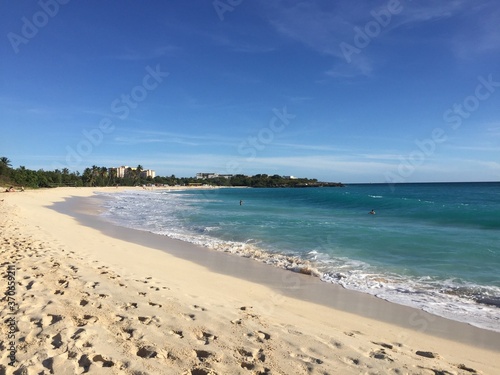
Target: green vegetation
x=103 y=176
x=263 y=180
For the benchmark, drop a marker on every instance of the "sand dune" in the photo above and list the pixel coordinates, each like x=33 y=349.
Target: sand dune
x=92 y=303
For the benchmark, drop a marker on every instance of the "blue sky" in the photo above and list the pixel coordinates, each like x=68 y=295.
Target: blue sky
x=364 y=91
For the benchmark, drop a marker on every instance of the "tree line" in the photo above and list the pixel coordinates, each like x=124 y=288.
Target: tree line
x=102 y=176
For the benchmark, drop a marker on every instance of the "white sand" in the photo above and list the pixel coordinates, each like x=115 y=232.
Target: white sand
x=92 y=303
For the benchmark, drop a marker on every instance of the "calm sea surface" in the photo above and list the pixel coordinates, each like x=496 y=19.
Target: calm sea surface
x=431 y=246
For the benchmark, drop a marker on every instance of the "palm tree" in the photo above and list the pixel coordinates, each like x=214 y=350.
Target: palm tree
x=5 y=161
x=138 y=172
x=112 y=176
x=103 y=173
x=4 y=165
x=87 y=176
x=94 y=175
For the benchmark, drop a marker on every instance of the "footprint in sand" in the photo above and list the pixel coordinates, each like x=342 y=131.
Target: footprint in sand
x=468 y=369
x=306 y=358
x=200 y=371
x=381 y=354
x=253 y=360
x=56 y=341
x=204 y=337
x=147 y=320
x=130 y=305
x=48 y=364
x=203 y=355
x=258 y=336
x=129 y=332
x=354 y=361
x=383 y=344
x=177 y=333
x=248 y=314
x=147 y=352
x=102 y=361
x=37 y=322
x=85 y=363
x=78 y=334
x=198 y=308
x=51 y=319
x=251 y=355
x=189 y=317
x=352 y=333
x=73 y=268
x=92 y=285
x=426 y=354
x=336 y=344
x=83 y=321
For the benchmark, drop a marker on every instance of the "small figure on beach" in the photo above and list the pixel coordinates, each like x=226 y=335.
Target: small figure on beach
x=10 y=190
x=372 y=212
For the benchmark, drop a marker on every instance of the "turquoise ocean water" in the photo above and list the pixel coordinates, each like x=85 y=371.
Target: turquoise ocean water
x=431 y=246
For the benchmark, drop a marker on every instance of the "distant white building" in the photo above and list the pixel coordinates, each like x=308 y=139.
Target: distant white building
x=148 y=173
x=203 y=176
x=122 y=171
x=291 y=177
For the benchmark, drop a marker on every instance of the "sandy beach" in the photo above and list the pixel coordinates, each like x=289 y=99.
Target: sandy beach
x=82 y=296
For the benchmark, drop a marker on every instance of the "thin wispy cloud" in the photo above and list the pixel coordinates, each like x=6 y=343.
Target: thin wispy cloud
x=146 y=136
x=336 y=165
x=323 y=28
x=253 y=49
x=493 y=131
x=136 y=141
x=235 y=44
x=135 y=55
x=392 y=157
x=416 y=12
x=480 y=33
x=305 y=147
x=486 y=148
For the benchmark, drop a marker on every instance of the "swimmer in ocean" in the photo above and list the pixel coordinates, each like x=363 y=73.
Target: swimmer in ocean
x=372 y=212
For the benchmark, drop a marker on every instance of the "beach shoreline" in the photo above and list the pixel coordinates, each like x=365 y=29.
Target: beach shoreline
x=235 y=315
